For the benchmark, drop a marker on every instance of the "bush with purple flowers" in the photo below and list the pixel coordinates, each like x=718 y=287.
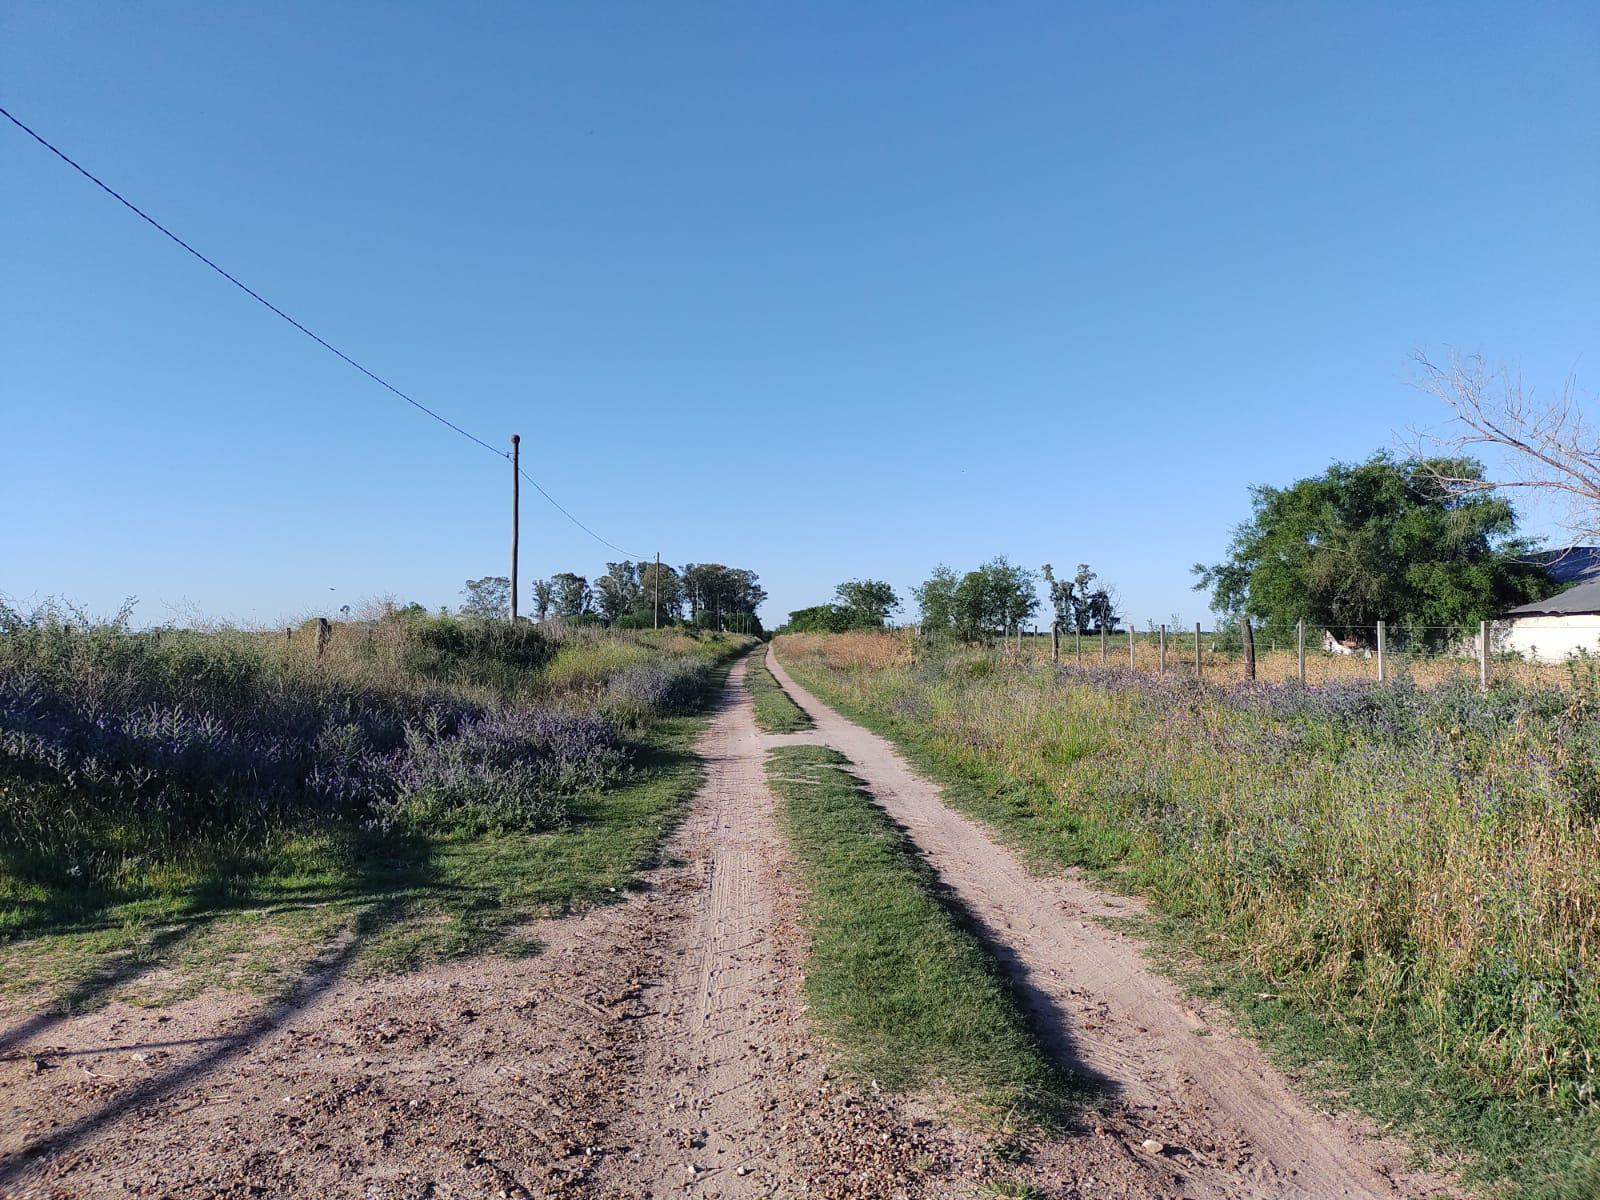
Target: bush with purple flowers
x=499 y=771
x=116 y=745
x=673 y=685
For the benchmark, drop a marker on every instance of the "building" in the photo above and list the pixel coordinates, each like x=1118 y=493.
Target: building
x=1564 y=624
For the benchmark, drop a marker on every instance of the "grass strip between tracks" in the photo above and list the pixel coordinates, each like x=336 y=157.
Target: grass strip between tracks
x=775 y=711
x=896 y=976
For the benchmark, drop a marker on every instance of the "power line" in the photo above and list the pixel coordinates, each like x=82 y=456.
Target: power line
x=558 y=507
x=254 y=295
x=323 y=342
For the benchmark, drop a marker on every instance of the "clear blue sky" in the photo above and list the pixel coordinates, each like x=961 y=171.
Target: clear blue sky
x=822 y=290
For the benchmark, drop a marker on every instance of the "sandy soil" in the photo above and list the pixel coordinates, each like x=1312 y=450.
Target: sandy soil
x=659 y=1047
x=727 y=1093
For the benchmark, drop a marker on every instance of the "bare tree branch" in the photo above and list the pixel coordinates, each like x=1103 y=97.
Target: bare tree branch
x=1553 y=448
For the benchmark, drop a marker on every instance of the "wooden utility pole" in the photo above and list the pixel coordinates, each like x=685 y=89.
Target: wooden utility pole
x=1249 y=647
x=656 y=623
x=516 y=512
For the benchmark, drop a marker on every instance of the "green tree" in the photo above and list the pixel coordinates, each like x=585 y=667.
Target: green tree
x=670 y=592
x=572 y=594
x=936 y=598
x=487 y=597
x=722 y=597
x=1093 y=608
x=868 y=601
x=821 y=618
x=1380 y=540
x=544 y=598
x=617 y=591
x=993 y=600
x=1062 y=597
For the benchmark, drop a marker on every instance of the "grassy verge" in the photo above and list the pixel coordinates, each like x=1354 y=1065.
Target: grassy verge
x=249 y=904
x=1122 y=783
x=775 y=711
x=413 y=900
x=895 y=977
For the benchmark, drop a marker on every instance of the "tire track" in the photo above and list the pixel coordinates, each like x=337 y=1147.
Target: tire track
x=727 y=1094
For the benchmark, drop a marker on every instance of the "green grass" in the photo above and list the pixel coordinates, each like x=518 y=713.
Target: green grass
x=1387 y=1061
x=256 y=921
x=896 y=977
x=775 y=711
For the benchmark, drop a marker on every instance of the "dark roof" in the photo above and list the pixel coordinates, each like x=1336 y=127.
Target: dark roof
x=1584 y=598
x=1576 y=572
x=1576 y=564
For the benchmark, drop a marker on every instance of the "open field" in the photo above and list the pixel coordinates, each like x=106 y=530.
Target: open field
x=1400 y=879
x=227 y=848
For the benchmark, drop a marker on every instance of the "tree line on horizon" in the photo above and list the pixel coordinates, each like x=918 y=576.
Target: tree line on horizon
x=630 y=595
x=1425 y=544
x=993 y=600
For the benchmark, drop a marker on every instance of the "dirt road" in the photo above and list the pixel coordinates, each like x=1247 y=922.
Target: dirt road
x=659 y=1047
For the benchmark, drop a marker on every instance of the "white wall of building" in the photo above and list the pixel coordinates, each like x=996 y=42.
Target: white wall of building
x=1549 y=639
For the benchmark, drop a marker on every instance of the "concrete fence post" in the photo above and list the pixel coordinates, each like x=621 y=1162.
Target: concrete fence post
x=1161 y=652
x=1483 y=656
x=1300 y=647
x=1197 y=651
x=1383 y=648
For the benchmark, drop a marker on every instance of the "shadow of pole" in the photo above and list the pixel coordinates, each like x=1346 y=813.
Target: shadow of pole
x=1051 y=1026
x=125 y=969
x=328 y=970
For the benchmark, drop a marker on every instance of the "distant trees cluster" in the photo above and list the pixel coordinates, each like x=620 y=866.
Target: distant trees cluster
x=995 y=599
x=1079 y=605
x=631 y=594
x=858 y=604
x=992 y=600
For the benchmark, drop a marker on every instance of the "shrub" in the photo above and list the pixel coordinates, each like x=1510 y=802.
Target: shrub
x=117 y=745
x=511 y=770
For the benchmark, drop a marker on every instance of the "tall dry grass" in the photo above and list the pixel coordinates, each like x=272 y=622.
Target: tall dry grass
x=1421 y=859
x=1281 y=664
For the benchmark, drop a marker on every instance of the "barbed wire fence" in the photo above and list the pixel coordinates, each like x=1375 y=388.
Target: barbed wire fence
x=1540 y=650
